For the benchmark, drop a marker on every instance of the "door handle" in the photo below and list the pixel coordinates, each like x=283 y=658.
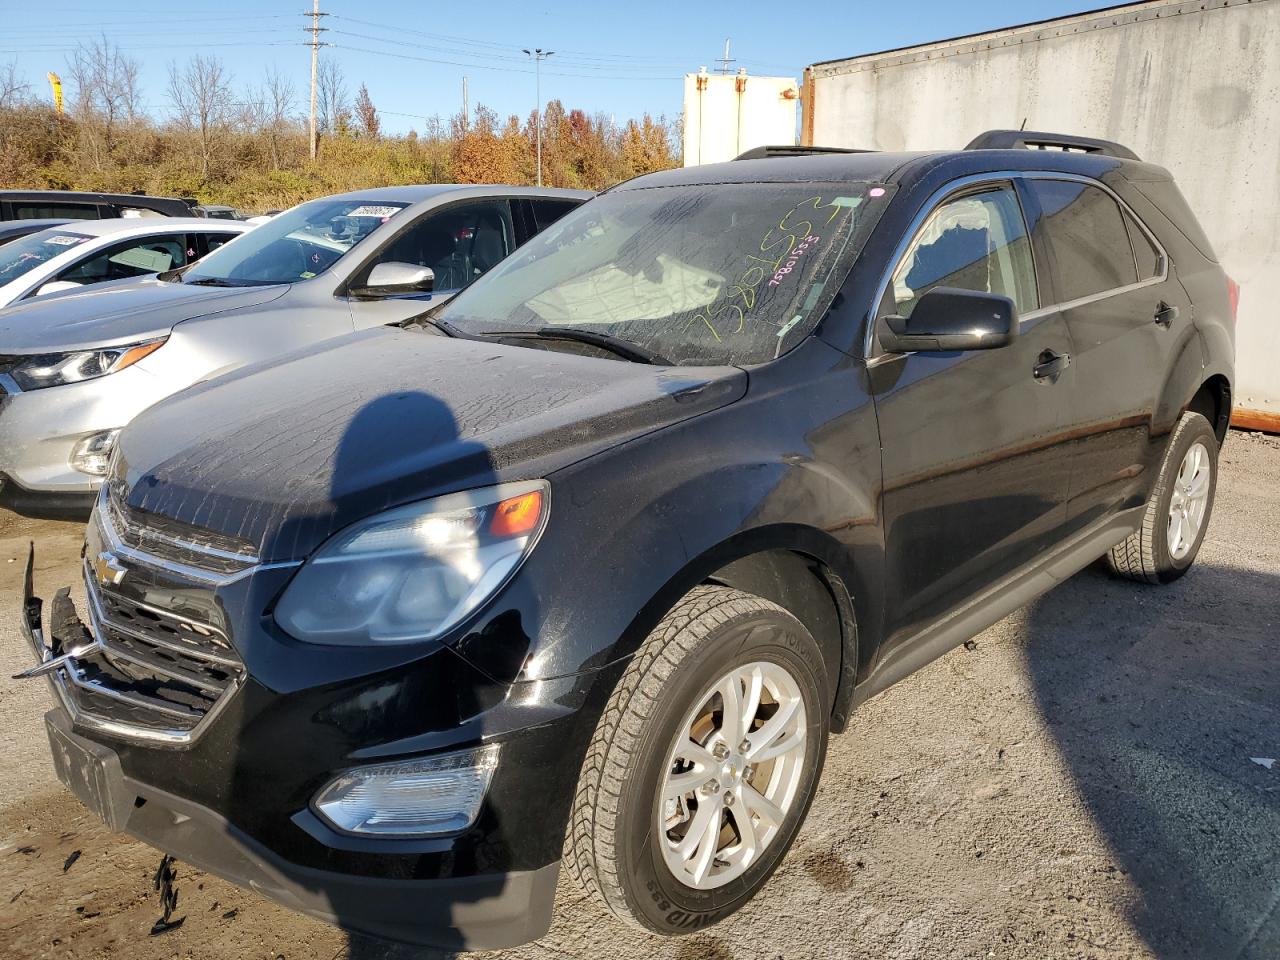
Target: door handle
x=1166 y=313
x=1049 y=366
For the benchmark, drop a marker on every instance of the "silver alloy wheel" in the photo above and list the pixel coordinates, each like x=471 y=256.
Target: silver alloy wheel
x=1190 y=500
x=732 y=774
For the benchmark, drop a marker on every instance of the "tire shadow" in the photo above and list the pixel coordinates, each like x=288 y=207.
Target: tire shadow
x=1158 y=712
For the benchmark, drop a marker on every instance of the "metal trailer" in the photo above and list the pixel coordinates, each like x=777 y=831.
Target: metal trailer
x=1194 y=87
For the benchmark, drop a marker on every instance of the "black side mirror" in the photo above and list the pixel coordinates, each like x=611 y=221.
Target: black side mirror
x=948 y=319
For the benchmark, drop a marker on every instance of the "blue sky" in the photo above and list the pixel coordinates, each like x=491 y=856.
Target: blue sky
x=622 y=59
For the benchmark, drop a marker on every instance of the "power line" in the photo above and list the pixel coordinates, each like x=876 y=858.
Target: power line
x=485 y=66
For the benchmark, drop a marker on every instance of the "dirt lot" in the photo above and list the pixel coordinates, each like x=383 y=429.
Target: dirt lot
x=1079 y=784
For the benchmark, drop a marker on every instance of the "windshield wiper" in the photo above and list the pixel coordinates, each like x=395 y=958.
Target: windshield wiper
x=212 y=282
x=606 y=341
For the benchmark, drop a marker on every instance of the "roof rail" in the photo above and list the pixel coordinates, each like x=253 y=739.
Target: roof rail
x=791 y=150
x=1034 y=140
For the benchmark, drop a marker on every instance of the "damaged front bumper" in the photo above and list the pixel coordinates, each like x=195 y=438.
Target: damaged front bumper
x=484 y=911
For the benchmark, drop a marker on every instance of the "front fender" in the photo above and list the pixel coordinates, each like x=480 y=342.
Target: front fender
x=635 y=528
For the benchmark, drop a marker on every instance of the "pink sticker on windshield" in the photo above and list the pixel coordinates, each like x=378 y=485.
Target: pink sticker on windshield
x=876 y=192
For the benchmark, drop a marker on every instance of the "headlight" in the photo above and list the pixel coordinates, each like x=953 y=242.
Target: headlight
x=55 y=369
x=414 y=572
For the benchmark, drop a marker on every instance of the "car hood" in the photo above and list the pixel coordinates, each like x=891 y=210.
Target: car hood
x=108 y=314
x=278 y=457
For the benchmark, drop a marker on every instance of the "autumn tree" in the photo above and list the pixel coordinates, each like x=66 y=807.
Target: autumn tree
x=367 y=121
x=201 y=97
x=479 y=152
x=646 y=146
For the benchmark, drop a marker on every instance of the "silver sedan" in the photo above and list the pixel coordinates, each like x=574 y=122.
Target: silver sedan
x=75 y=368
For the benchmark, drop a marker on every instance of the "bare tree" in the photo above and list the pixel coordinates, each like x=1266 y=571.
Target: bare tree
x=334 y=97
x=269 y=111
x=202 y=102
x=367 y=114
x=13 y=90
x=106 y=95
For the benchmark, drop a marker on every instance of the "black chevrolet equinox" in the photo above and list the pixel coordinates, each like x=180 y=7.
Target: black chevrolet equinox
x=582 y=568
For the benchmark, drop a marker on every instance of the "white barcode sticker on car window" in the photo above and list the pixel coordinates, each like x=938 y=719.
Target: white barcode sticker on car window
x=370 y=210
x=62 y=240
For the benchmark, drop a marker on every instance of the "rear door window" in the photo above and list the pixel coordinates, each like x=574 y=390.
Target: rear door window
x=1085 y=229
x=48 y=211
x=547 y=212
x=975 y=242
x=214 y=240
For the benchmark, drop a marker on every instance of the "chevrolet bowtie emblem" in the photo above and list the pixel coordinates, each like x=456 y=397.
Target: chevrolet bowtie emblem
x=108 y=569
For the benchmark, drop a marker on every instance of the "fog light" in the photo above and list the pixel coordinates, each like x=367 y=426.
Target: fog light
x=410 y=798
x=91 y=454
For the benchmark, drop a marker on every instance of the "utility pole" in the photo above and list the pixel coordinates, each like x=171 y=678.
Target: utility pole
x=538 y=55
x=315 y=30
x=726 y=59
x=466 y=107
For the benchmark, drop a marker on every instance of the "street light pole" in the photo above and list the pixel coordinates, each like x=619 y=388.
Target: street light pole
x=538 y=55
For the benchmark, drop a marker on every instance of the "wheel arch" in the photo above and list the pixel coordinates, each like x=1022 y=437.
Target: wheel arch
x=1213 y=401
x=797 y=567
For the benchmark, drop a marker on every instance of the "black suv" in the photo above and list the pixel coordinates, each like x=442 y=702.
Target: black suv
x=81 y=205
x=585 y=566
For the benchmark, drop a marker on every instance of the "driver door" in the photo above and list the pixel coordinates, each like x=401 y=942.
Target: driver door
x=975 y=470
x=458 y=243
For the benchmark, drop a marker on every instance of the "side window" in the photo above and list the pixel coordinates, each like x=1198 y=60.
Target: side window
x=459 y=243
x=547 y=212
x=1086 y=231
x=129 y=258
x=214 y=240
x=43 y=211
x=975 y=242
x=1144 y=251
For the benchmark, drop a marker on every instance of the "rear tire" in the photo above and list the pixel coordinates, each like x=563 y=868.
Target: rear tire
x=1178 y=510
x=666 y=766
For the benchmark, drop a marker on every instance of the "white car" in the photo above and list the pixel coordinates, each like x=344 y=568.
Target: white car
x=84 y=252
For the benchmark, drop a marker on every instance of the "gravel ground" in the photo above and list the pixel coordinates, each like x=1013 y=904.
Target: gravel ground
x=1078 y=784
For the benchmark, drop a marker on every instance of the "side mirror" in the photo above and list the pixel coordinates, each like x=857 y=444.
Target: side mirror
x=949 y=319
x=57 y=286
x=395 y=279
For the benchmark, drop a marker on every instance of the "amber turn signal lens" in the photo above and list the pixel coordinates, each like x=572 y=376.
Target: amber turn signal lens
x=134 y=354
x=517 y=515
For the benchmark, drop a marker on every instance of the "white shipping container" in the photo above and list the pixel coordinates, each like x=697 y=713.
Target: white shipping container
x=726 y=114
x=1194 y=87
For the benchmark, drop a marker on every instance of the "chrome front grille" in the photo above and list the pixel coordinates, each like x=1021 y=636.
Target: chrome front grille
x=169 y=541
x=150 y=672
x=152 y=659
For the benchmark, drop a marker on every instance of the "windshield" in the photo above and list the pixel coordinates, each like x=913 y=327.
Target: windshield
x=723 y=273
x=22 y=256
x=296 y=245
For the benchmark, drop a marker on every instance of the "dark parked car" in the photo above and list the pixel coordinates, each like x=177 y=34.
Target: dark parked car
x=81 y=205
x=17 y=229
x=585 y=565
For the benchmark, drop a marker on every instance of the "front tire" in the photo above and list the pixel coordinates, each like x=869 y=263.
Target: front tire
x=1178 y=510
x=703 y=765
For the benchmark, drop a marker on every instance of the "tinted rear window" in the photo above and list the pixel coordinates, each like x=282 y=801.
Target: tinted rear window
x=1086 y=232
x=547 y=212
x=49 y=211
